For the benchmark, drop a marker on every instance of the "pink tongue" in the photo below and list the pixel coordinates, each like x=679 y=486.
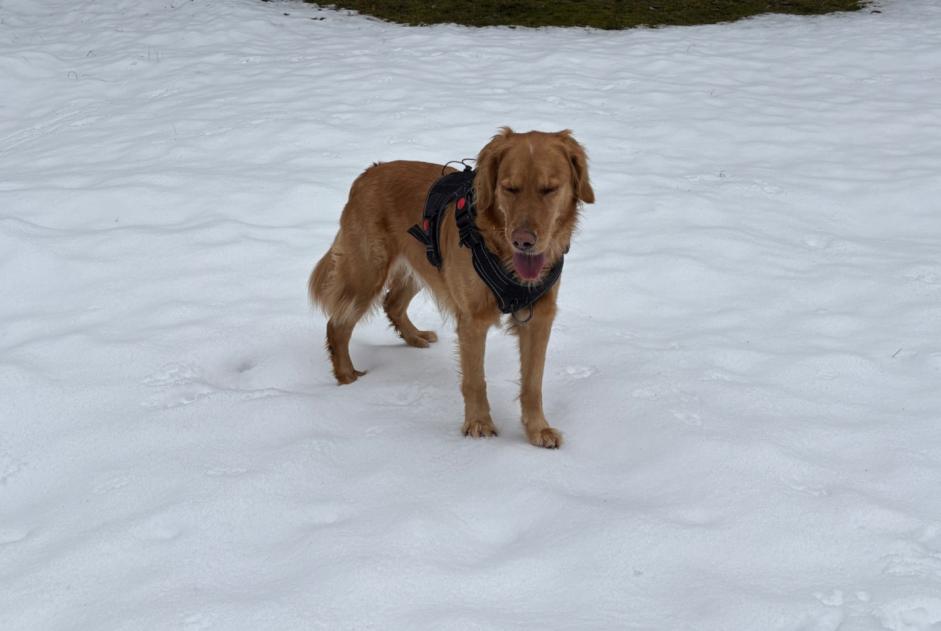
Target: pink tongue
x=528 y=266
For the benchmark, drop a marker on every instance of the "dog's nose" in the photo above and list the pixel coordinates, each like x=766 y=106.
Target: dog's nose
x=523 y=240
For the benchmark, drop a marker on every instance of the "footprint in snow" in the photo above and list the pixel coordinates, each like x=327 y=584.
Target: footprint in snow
x=171 y=375
x=689 y=418
x=796 y=483
x=580 y=372
x=833 y=599
x=12 y=535
x=834 y=610
x=157 y=529
x=399 y=395
x=109 y=485
x=9 y=467
x=914 y=613
x=178 y=399
x=924 y=274
x=197 y=622
x=919 y=557
x=181 y=384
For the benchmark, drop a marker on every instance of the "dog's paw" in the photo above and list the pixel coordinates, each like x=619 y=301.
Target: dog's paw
x=421 y=339
x=429 y=336
x=344 y=378
x=545 y=437
x=479 y=429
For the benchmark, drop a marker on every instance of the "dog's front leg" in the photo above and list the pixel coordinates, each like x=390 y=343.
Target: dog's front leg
x=533 y=340
x=472 y=340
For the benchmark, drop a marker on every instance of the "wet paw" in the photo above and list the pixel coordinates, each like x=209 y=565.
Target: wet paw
x=546 y=437
x=479 y=428
x=344 y=378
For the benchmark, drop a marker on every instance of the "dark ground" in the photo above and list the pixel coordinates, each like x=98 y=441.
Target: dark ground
x=606 y=14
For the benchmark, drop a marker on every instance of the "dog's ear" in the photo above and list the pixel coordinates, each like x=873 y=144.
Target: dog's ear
x=579 y=160
x=488 y=163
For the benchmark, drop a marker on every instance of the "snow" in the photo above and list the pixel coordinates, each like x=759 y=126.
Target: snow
x=745 y=364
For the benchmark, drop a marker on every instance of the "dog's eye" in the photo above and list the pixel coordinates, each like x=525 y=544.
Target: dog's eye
x=512 y=190
x=548 y=190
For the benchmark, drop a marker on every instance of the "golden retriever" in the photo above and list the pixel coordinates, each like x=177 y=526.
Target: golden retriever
x=528 y=189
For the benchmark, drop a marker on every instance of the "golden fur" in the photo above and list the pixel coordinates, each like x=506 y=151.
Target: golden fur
x=529 y=184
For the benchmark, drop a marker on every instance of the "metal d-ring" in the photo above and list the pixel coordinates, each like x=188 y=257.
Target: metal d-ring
x=518 y=321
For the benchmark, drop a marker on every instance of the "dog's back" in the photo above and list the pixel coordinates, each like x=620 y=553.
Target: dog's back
x=384 y=201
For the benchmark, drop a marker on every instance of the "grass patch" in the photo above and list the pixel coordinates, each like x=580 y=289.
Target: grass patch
x=605 y=14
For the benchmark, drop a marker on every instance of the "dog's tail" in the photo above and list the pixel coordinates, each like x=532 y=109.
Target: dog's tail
x=321 y=280
x=330 y=290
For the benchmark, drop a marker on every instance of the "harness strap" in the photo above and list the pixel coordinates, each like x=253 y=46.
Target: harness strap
x=511 y=296
x=445 y=190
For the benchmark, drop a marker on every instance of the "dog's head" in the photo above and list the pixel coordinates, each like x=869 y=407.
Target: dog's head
x=529 y=188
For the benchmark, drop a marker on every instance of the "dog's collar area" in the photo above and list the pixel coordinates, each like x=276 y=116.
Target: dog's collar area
x=458 y=187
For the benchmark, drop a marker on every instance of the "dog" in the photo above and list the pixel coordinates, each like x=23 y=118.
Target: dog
x=528 y=189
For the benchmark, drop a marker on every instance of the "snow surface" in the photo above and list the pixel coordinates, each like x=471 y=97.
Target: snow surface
x=745 y=365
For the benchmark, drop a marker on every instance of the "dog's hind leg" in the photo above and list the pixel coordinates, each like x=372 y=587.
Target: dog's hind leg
x=338 y=346
x=402 y=288
x=345 y=283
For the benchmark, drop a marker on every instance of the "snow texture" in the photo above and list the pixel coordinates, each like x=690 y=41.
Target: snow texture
x=745 y=365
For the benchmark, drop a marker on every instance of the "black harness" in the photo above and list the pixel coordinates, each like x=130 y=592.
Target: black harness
x=458 y=187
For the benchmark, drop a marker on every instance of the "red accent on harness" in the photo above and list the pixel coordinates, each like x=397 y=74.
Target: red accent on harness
x=426 y=225
x=460 y=203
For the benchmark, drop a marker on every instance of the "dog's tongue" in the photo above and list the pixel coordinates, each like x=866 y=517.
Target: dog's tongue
x=528 y=266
